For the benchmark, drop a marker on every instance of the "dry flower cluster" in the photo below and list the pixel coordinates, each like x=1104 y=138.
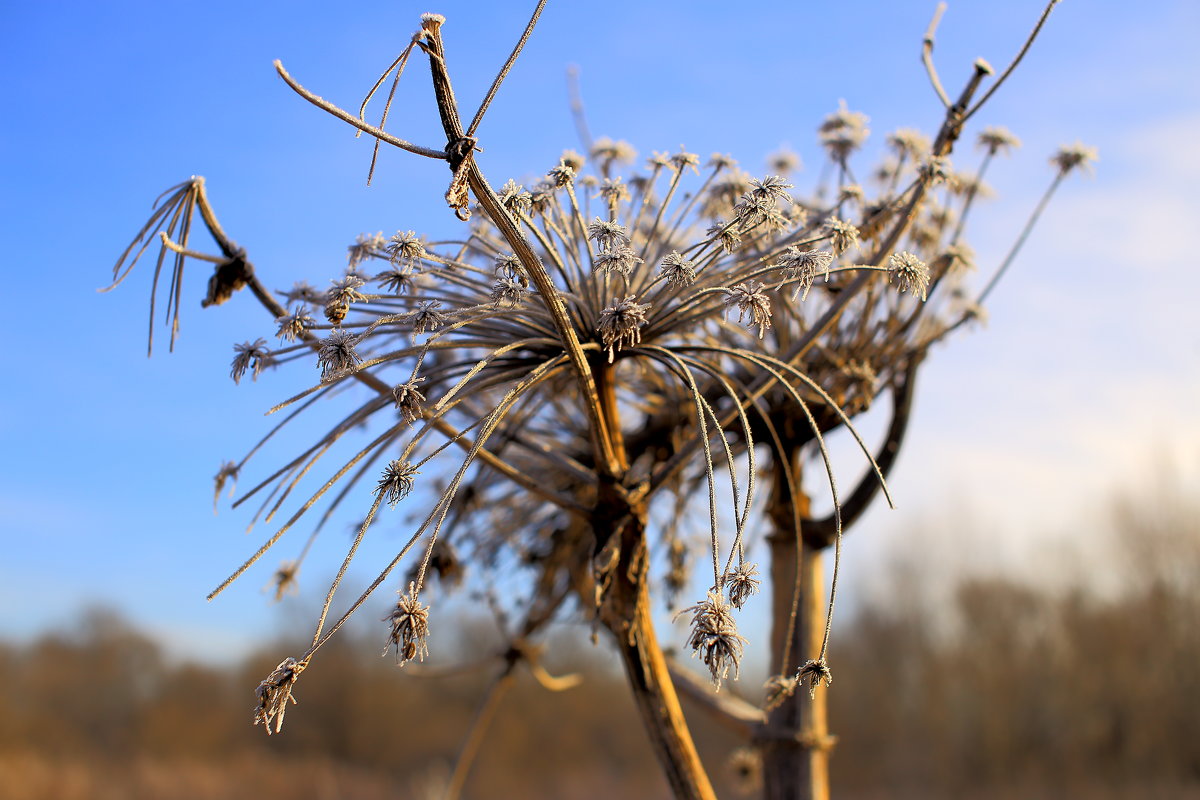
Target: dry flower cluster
x=594 y=341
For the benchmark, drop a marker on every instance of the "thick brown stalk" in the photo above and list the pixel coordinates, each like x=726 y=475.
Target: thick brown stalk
x=795 y=741
x=625 y=612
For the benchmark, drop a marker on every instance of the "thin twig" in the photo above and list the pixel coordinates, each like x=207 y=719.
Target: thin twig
x=346 y=116
x=927 y=54
x=1017 y=60
x=512 y=57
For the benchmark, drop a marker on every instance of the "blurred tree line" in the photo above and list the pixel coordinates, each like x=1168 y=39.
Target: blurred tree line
x=1049 y=684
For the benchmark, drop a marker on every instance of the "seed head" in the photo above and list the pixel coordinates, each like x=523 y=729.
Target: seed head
x=677 y=571
x=1072 y=157
x=995 y=139
x=396 y=281
x=509 y=292
x=227 y=473
x=620 y=324
x=573 y=159
x=909 y=143
x=727 y=235
x=677 y=270
x=514 y=198
x=608 y=234
x=293 y=326
x=745 y=763
x=843 y=132
x=405 y=248
x=365 y=246
x=803 y=266
x=684 y=160
x=777 y=689
x=408 y=399
x=658 y=160
x=562 y=175
x=715 y=638
x=284 y=579
x=783 y=162
x=841 y=235
x=606 y=151
x=275 y=692
x=959 y=256
x=410 y=628
x=253 y=356
x=427 y=316
x=397 y=481
x=336 y=355
x=741 y=583
x=909 y=273
x=752 y=301
x=814 y=673
x=614 y=191
x=344 y=292
x=621 y=258
x=772 y=188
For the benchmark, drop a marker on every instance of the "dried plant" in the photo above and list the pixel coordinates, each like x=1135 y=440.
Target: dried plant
x=576 y=345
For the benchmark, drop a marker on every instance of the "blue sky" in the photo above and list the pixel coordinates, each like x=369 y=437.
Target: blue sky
x=1085 y=380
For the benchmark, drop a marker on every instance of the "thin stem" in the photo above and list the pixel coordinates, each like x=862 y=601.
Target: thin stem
x=1013 y=65
x=927 y=54
x=512 y=57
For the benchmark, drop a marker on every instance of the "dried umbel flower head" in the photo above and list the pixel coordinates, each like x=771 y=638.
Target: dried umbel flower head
x=405 y=248
x=226 y=474
x=397 y=481
x=814 y=673
x=745 y=763
x=727 y=236
x=284 y=580
x=777 y=689
x=410 y=628
x=714 y=637
x=783 y=162
x=336 y=356
x=408 y=399
x=996 y=139
x=608 y=234
x=293 y=326
x=396 y=281
x=842 y=235
x=677 y=271
x=620 y=324
x=253 y=356
x=1074 y=157
x=751 y=301
x=621 y=259
x=803 y=266
x=427 y=316
x=343 y=293
x=909 y=273
x=909 y=143
x=561 y=175
x=677 y=571
x=741 y=583
x=275 y=692
x=515 y=199
x=365 y=246
x=843 y=132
